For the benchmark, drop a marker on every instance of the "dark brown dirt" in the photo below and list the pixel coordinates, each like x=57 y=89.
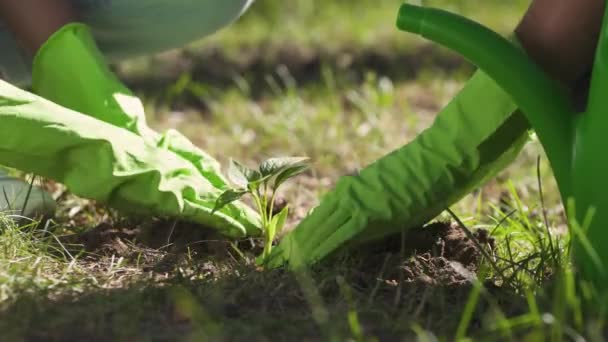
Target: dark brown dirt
x=443 y=240
x=105 y=239
x=164 y=236
x=439 y=254
x=193 y=284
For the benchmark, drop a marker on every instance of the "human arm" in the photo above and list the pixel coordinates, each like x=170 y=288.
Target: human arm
x=34 y=21
x=561 y=36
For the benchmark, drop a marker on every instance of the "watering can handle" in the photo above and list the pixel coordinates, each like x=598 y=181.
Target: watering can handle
x=598 y=101
x=545 y=103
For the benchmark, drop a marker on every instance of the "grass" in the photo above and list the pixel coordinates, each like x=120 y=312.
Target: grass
x=339 y=84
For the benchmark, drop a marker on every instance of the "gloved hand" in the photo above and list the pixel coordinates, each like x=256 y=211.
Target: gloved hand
x=126 y=164
x=110 y=164
x=416 y=183
x=70 y=70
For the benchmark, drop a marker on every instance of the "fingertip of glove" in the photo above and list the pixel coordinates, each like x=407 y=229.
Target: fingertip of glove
x=38 y=64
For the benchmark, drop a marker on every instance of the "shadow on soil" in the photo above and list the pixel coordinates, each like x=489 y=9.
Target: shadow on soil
x=201 y=293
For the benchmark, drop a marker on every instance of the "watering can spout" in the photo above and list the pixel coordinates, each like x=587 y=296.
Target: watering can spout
x=411 y=18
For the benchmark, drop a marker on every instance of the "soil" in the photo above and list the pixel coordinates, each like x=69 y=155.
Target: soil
x=158 y=236
x=185 y=271
x=439 y=254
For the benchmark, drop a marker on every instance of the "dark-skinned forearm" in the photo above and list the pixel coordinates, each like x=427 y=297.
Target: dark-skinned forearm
x=561 y=35
x=34 y=21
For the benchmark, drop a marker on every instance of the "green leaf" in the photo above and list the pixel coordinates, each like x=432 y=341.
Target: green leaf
x=274 y=166
x=260 y=260
x=271 y=229
x=228 y=197
x=276 y=224
x=281 y=219
x=288 y=173
x=241 y=175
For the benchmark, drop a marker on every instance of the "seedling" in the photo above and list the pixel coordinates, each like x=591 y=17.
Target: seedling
x=262 y=185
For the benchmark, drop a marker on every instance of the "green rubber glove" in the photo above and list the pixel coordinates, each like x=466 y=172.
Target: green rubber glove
x=110 y=164
x=414 y=184
x=70 y=70
x=111 y=155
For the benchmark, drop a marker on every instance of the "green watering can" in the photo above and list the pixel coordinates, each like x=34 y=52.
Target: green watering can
x=474 y=137
x=574 y=142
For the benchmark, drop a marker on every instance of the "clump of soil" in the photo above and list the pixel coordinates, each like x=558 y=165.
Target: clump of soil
x=439 y=254
x=157 y=245
x=437 y=271
x=106 y=239
x=443 y=240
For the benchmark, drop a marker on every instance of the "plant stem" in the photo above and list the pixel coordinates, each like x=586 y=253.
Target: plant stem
x=272 y=199
x=267 y=247
x=261 y=200
x=258 y=203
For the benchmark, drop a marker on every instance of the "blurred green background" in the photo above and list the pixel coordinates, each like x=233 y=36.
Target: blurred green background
x=303 y=34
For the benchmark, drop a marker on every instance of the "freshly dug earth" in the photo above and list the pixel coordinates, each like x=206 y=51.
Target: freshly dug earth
x=197 y=287
x=437 y=254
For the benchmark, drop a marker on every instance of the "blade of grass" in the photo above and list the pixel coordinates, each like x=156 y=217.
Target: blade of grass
x=482 y=250
x=27 y=197
x=544 y=211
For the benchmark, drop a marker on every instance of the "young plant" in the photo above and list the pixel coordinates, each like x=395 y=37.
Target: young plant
x=262 y=185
